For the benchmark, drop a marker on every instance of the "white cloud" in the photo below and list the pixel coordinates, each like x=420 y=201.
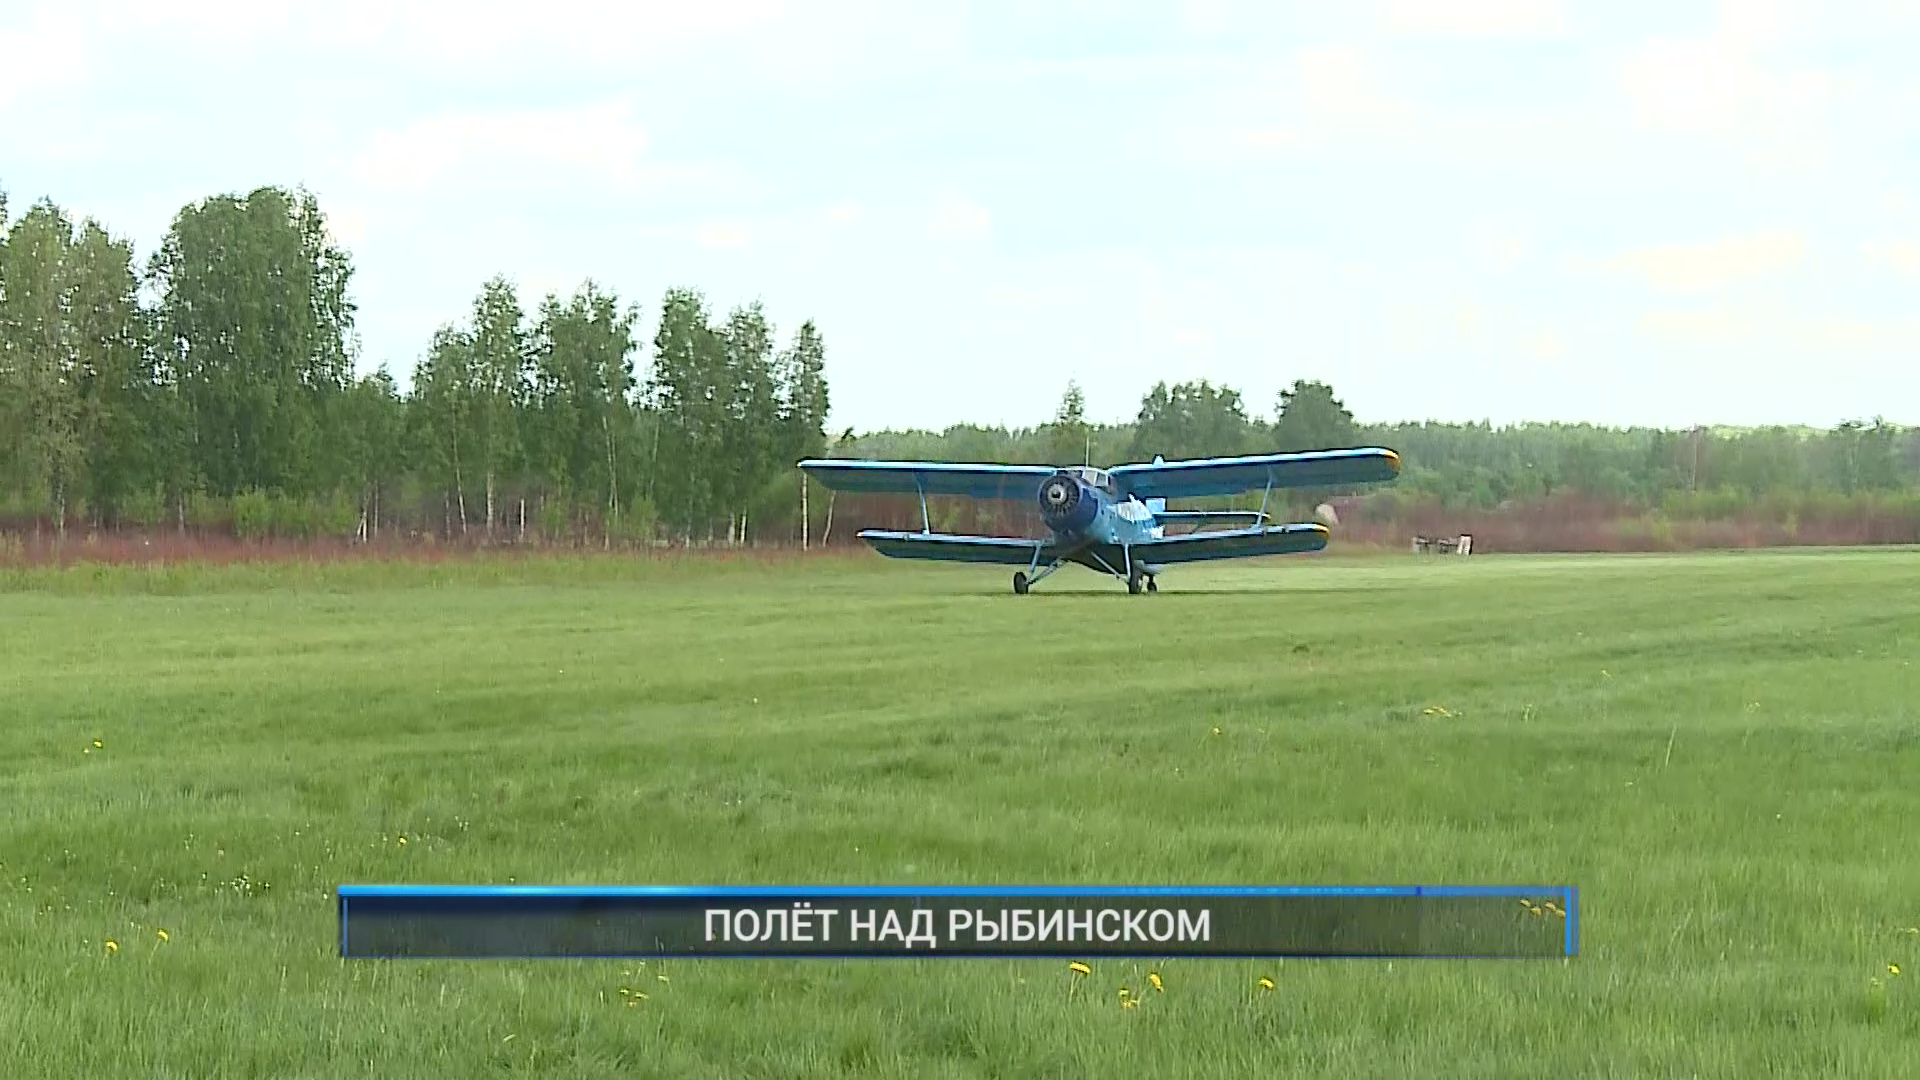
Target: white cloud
x=1474 y=18
x=1204 y=18
x=1709 y=326
x=1689 y=84
x=723 y=237
x=1503 y=248
x=1547 y=346
x=1900 y=255
x=1728 y=83
x=563 y=145
x=1713 y=265
x=1815 y=335
x=347 y=224
x=466 y=32
x=44 y=53
x=957 y=217
x=1852 y=334
x=1338 y=84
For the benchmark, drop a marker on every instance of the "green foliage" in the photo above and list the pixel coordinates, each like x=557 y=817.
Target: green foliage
x=254 y=324
x=253 y=514
x=44 y=446
x=729 y=414
x=1309 y=417
x=1191 y=420
x=1069 y=437
x=146 y=508
x=238 y=381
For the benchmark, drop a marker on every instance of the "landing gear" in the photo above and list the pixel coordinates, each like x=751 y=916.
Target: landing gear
x=1020 y=582
x=1133 y=582
x=1153 y=584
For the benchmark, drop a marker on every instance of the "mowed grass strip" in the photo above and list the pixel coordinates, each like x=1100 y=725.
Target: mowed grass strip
x=1720 y=750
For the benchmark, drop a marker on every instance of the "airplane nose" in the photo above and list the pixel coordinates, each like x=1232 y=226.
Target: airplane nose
x=1065 y=504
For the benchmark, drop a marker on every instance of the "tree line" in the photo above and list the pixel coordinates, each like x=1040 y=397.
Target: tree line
x=1466 y=466
x=215 y=386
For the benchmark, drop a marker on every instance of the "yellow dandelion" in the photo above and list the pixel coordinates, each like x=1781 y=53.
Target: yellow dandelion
x=1216 y=731
x=112 y=946
x=1153 y=977
x=162 y=935
x=1129 y=1003
x=403 y=841
x=1538 y=913
x=1125 y=993
x=662 y=978
x=1079 y=968
x=98 y=745
x=1893 y=969
x=1265 y=983
x=1553 y=907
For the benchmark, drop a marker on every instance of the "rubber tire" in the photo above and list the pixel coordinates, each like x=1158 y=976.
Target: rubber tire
x=1153 y=584
x=1133 y=584
x=1020 y=582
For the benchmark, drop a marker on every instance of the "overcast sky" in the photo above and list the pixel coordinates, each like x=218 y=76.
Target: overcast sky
x=1663 y=213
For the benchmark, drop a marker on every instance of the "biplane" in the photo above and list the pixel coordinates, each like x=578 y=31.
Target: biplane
x=1112 y=521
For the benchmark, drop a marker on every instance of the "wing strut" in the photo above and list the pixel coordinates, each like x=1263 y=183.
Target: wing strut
x=926 y=522
x=1264 y=494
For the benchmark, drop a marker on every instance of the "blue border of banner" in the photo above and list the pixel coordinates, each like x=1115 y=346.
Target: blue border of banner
x=1569 y=894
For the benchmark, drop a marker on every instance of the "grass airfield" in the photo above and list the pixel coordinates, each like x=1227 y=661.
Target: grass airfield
x=1721 y=750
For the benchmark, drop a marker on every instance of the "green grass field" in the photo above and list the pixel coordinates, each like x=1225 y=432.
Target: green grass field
x=1721 y=750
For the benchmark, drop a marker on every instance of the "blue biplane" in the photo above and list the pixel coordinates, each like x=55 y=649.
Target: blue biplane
x=1111 y=521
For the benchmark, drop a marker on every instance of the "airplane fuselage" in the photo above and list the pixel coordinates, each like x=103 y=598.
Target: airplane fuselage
x=1080 y=507
x=1093 y=526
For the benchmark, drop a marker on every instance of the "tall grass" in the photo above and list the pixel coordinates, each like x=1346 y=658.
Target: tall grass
x=1717 y=749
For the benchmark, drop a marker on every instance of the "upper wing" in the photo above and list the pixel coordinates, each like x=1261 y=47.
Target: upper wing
x=946 y=547
x=1234 y=544
x=930 y=477
x=1230 y=476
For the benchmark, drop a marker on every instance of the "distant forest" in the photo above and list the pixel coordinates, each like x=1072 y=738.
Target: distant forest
x=212 y=390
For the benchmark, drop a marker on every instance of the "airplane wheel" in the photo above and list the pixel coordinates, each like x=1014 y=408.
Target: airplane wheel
x=1133 y=584
x=1153 y=584
x=1020 y=582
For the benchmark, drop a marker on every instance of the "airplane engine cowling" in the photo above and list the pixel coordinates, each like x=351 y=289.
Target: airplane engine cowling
x=1067 y=505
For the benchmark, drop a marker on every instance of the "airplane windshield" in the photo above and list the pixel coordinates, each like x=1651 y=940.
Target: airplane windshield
x=1094 y=478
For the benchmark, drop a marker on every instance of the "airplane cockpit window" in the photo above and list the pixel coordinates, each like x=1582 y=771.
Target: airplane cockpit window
x=1096 y=478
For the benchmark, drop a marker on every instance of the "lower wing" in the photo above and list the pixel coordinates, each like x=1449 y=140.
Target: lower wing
x=1234 y=544
x=946 y=547
x=1202 y=517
